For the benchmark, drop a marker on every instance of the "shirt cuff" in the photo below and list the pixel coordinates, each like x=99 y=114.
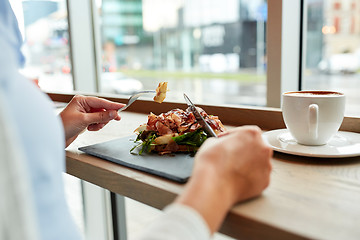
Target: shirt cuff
x=178 y=222
x=191 y=218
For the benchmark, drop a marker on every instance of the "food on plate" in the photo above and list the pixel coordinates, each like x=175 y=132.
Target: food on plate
x=161 y=92
x=174 y=131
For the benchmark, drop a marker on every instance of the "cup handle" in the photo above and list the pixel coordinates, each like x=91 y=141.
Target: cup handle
x=313 y=120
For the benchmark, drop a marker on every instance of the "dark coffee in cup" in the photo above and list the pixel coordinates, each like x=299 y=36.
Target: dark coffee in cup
x=314 y=93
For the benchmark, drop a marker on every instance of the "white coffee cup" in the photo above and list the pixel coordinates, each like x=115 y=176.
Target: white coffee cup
x=313 y=117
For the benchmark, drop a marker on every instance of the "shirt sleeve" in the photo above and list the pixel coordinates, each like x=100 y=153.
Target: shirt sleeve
x=16 y=215
x=178 y=222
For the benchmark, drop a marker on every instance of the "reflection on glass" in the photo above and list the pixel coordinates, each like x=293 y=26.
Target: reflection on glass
x=332 y=57
x=44 y=27
x=212 y=50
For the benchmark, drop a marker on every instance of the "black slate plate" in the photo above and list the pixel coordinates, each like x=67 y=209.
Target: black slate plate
x=176 y=167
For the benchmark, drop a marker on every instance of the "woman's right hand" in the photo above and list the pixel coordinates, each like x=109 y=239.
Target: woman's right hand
x=240 y=158
x=229 y=169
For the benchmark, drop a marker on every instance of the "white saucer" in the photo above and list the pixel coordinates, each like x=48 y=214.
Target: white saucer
x=343 y=144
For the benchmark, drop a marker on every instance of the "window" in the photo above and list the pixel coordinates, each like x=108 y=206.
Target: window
x=337 y=24
x=212 y=50
x=44 y=27
x=332 y=61
x=337 y=6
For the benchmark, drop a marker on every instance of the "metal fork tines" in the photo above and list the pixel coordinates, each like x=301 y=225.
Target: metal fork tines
x=134 y=97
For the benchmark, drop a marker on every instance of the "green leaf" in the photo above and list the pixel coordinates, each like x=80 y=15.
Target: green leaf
x=146 y=143
x=196 y=138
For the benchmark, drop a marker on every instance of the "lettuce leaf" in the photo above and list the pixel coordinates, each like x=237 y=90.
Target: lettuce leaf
x=146 y=141
x=196 y=138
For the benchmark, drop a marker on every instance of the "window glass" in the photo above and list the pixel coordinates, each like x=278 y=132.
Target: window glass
x=332 y=56
x=44 y=27
x=212 y=50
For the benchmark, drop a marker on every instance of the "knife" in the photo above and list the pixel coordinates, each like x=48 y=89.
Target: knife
x=199 y=118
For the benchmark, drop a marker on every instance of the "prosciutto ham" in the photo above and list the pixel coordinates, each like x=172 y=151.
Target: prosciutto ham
x=176 y=131
x=180 y=121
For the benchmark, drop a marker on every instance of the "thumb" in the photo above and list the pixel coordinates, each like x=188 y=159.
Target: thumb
x=100 y=117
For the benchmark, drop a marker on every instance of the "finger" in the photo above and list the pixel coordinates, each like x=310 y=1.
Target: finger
x=223 y=134
x=228 y=132
x=117 y=118
x=239 y=129
x=231 y=131
x=92 y=110
x=100 y=103
x=96 y=127
x=101 y=117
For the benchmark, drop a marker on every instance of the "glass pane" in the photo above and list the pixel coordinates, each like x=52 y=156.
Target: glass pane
x=46 y=48
x=212 y=50
x=332 y=57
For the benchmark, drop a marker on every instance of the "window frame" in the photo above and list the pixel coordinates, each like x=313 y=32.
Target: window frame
x=82 y=45
x=284 y=48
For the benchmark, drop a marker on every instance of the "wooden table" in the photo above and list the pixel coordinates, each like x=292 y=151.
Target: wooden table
x=308 y=198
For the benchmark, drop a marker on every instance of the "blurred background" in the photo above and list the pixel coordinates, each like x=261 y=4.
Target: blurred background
x=216 y=49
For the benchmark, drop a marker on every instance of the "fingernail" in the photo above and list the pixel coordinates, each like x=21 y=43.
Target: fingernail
x=112 y=114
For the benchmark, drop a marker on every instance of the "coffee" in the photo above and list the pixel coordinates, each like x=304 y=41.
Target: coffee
x=314 y=93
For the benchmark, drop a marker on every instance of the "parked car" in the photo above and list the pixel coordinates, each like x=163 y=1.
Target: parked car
x=117 y=82
x=340 y=63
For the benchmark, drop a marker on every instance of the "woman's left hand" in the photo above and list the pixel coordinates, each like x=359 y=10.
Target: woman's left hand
x=87 y=112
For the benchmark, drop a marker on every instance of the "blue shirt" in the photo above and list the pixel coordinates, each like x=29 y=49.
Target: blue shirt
x=40 y=132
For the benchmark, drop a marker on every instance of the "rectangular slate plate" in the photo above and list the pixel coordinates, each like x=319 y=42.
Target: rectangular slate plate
x=176 y=167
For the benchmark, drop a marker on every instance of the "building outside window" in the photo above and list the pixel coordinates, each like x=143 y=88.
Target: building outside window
x=212 y=50
x=215 y=52
x=332 y=56
x=44 y=26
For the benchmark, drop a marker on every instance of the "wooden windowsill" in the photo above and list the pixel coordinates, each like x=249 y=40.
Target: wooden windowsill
x=264 y=117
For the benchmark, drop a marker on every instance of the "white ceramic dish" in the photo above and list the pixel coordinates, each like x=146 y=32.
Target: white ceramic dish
x=343 y=144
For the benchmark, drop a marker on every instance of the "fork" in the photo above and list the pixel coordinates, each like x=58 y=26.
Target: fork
x=134 y=97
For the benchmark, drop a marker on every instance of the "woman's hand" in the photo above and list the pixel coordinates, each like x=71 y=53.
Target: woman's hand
x=87 y=112
x=229 y=169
